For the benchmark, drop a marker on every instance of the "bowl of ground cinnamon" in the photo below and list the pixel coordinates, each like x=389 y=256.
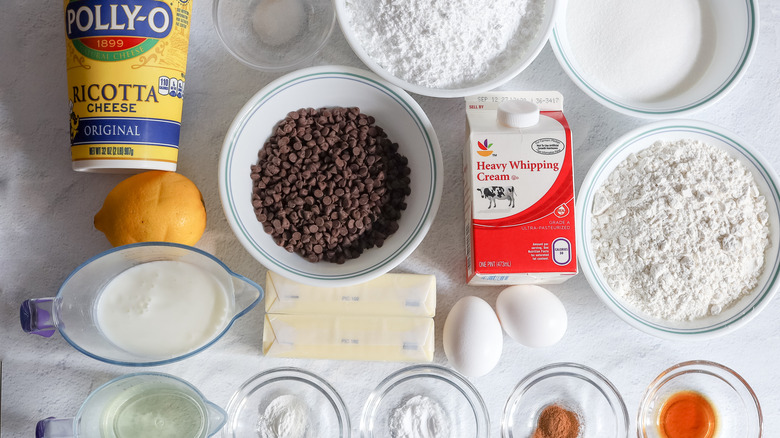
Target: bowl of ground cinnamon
x=565 y=400
x=555 y=421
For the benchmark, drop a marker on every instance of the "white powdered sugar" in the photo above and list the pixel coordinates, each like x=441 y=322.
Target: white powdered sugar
x=445 y=43
x=680 y=229
x=419 y=417
x=287 y=416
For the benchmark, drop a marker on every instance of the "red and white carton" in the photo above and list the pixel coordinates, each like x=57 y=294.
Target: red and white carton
x=519 y=189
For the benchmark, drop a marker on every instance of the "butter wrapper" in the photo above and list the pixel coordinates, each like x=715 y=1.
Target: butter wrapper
x=392 y=338
x=388 y=295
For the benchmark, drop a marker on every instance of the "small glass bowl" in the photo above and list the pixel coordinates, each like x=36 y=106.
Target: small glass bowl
x=273 y=35
x=465 y=410
x=327 y=413
x=736 y=405
x=598 y=404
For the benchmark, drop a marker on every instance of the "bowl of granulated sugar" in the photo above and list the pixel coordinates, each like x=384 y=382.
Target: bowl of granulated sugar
x=656 y=58
x=447 y=48
x=679 y=230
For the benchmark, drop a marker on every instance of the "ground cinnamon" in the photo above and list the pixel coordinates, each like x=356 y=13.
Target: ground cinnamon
x=555 y=421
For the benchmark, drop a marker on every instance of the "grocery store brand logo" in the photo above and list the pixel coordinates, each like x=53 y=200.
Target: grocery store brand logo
x=484 y=148
x=116 y=31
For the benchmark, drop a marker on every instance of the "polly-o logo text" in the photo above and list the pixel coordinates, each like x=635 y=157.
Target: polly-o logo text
x=116 y=31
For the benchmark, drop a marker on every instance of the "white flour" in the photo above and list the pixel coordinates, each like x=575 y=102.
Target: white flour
x=419 y=417
x=445 y=43
x=286 y=416
x=680 y=230
x=641 y=49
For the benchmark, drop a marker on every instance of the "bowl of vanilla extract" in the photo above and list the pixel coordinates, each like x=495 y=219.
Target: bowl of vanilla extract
x=699 y=399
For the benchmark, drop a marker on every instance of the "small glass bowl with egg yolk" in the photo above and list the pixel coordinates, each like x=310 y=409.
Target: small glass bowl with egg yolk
x=699 y=399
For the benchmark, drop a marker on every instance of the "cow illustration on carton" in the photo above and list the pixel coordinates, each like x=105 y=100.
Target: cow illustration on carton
x=493 y=193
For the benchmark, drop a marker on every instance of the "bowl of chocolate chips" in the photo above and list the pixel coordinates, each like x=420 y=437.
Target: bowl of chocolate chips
x=330 y=176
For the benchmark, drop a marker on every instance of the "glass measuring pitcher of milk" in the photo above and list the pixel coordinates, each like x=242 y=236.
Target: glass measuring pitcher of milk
x=144 y=304
x=140 y=405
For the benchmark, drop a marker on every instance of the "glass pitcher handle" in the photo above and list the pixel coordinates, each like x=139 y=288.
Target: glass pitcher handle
x=37 y=317
x=54 y=428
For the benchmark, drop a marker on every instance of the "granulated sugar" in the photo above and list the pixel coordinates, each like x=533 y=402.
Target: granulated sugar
x=680 y=229
x=641 y=49
x=445 y=43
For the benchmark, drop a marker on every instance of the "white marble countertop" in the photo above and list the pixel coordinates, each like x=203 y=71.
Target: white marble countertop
x=46 y=230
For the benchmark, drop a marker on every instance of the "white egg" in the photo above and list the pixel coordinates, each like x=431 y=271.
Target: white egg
x=531 y=315
x=473 y=339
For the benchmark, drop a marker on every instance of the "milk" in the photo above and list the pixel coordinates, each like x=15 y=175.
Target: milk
x=519 y=190
x=162 y=309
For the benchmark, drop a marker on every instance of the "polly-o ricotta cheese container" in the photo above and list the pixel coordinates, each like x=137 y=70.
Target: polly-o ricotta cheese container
x=519 y=189
x=126 y=65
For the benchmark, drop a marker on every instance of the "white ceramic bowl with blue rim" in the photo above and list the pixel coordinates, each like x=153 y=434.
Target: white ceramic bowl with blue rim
x=330 y=86
x=489 y=82
x=735 y=25
x=767 y=181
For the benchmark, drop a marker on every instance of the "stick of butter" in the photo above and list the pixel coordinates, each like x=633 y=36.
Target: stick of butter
x=388 y=295
x=389 y=338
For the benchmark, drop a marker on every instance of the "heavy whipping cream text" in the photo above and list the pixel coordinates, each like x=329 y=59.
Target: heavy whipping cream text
x=126 y=63
x=484 y=175
x=519 y=190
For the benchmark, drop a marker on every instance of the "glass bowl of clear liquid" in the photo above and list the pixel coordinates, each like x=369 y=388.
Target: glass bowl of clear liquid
x=140 y=405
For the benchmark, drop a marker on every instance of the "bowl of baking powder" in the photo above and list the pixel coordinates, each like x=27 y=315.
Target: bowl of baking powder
x=656 y=58
x=447 y=48
x=425 y=400
x=680 y=230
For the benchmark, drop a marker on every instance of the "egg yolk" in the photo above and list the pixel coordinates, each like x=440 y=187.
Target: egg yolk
x=687 y=414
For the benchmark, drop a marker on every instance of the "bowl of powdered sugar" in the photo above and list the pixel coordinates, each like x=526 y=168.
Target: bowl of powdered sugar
x=680 y=229
x=447 y=48
x=656 y=58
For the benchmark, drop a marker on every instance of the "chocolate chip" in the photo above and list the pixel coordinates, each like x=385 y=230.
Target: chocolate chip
x=329 y=184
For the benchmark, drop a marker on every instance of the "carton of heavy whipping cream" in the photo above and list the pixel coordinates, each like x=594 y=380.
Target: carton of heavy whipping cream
x=519 y=189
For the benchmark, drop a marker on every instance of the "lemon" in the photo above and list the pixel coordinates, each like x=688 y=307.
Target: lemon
x=153 y=206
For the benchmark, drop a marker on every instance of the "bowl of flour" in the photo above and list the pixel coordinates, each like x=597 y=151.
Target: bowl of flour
x=680 y=229
x=656 y=58
x=447 y=48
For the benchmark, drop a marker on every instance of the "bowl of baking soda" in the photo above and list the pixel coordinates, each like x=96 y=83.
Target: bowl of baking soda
x=680 y=230
x=654 y=59
x=447 y=48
